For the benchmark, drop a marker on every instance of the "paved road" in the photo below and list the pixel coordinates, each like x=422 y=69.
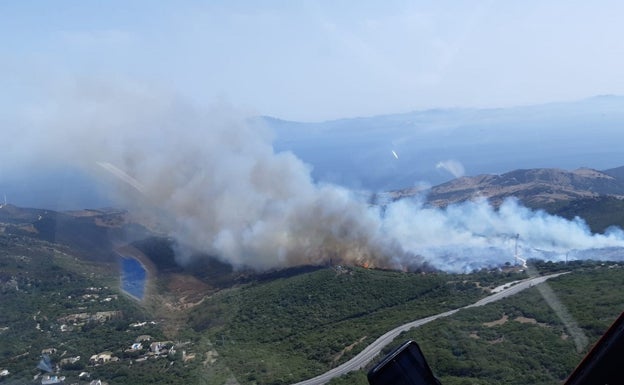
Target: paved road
x=372 y=350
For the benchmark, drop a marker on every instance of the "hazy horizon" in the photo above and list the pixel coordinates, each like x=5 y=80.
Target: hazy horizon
x=318 y=60
x=376 y=153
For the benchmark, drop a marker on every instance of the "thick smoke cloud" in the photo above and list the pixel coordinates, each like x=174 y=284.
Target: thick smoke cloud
x=219 y=187
x=472 y=235
x=212 y=178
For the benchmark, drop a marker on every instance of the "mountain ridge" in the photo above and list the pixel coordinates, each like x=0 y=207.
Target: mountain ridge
x=607 y=98
x=595 y=196
x=359 y=152
x=531 y=186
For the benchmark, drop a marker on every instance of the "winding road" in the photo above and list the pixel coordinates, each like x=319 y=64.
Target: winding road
x=372 y=350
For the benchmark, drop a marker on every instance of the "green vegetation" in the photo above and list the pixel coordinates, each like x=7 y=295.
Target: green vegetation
x=520 y=339
x=283 y=327
x=600 y=213
x=54 y=300
x=290 y=329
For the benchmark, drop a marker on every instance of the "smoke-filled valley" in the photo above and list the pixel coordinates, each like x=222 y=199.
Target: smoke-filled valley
x=212 y=179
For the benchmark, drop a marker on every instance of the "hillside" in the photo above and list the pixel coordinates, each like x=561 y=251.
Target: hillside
x=93 y=233
x=533 y=187
x=73 y=310
x=273 y=328
x=288 y=330
x=596 y=196
x=600 y=212
x=297 y=327
x=519 y=340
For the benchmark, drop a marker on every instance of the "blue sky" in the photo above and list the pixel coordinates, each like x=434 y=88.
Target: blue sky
x=316 y=60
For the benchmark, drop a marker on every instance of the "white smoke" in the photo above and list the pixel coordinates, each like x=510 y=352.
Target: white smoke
x=452 y=166
x=219 y=186
x=472 y=235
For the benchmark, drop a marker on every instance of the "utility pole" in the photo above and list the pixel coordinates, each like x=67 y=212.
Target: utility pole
x=516 y=250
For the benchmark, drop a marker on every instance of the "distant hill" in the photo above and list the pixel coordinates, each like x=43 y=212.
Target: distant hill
x=596 y=196
x=617 y=173
x=533 y=187
x=93 y=233
x=358 y=152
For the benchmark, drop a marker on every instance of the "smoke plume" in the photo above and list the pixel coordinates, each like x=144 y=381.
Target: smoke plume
x=472 y=235
x=220 y=188
x=452 y=166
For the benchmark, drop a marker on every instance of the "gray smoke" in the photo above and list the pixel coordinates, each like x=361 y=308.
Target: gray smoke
x=211 y=178
x=219 y=187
